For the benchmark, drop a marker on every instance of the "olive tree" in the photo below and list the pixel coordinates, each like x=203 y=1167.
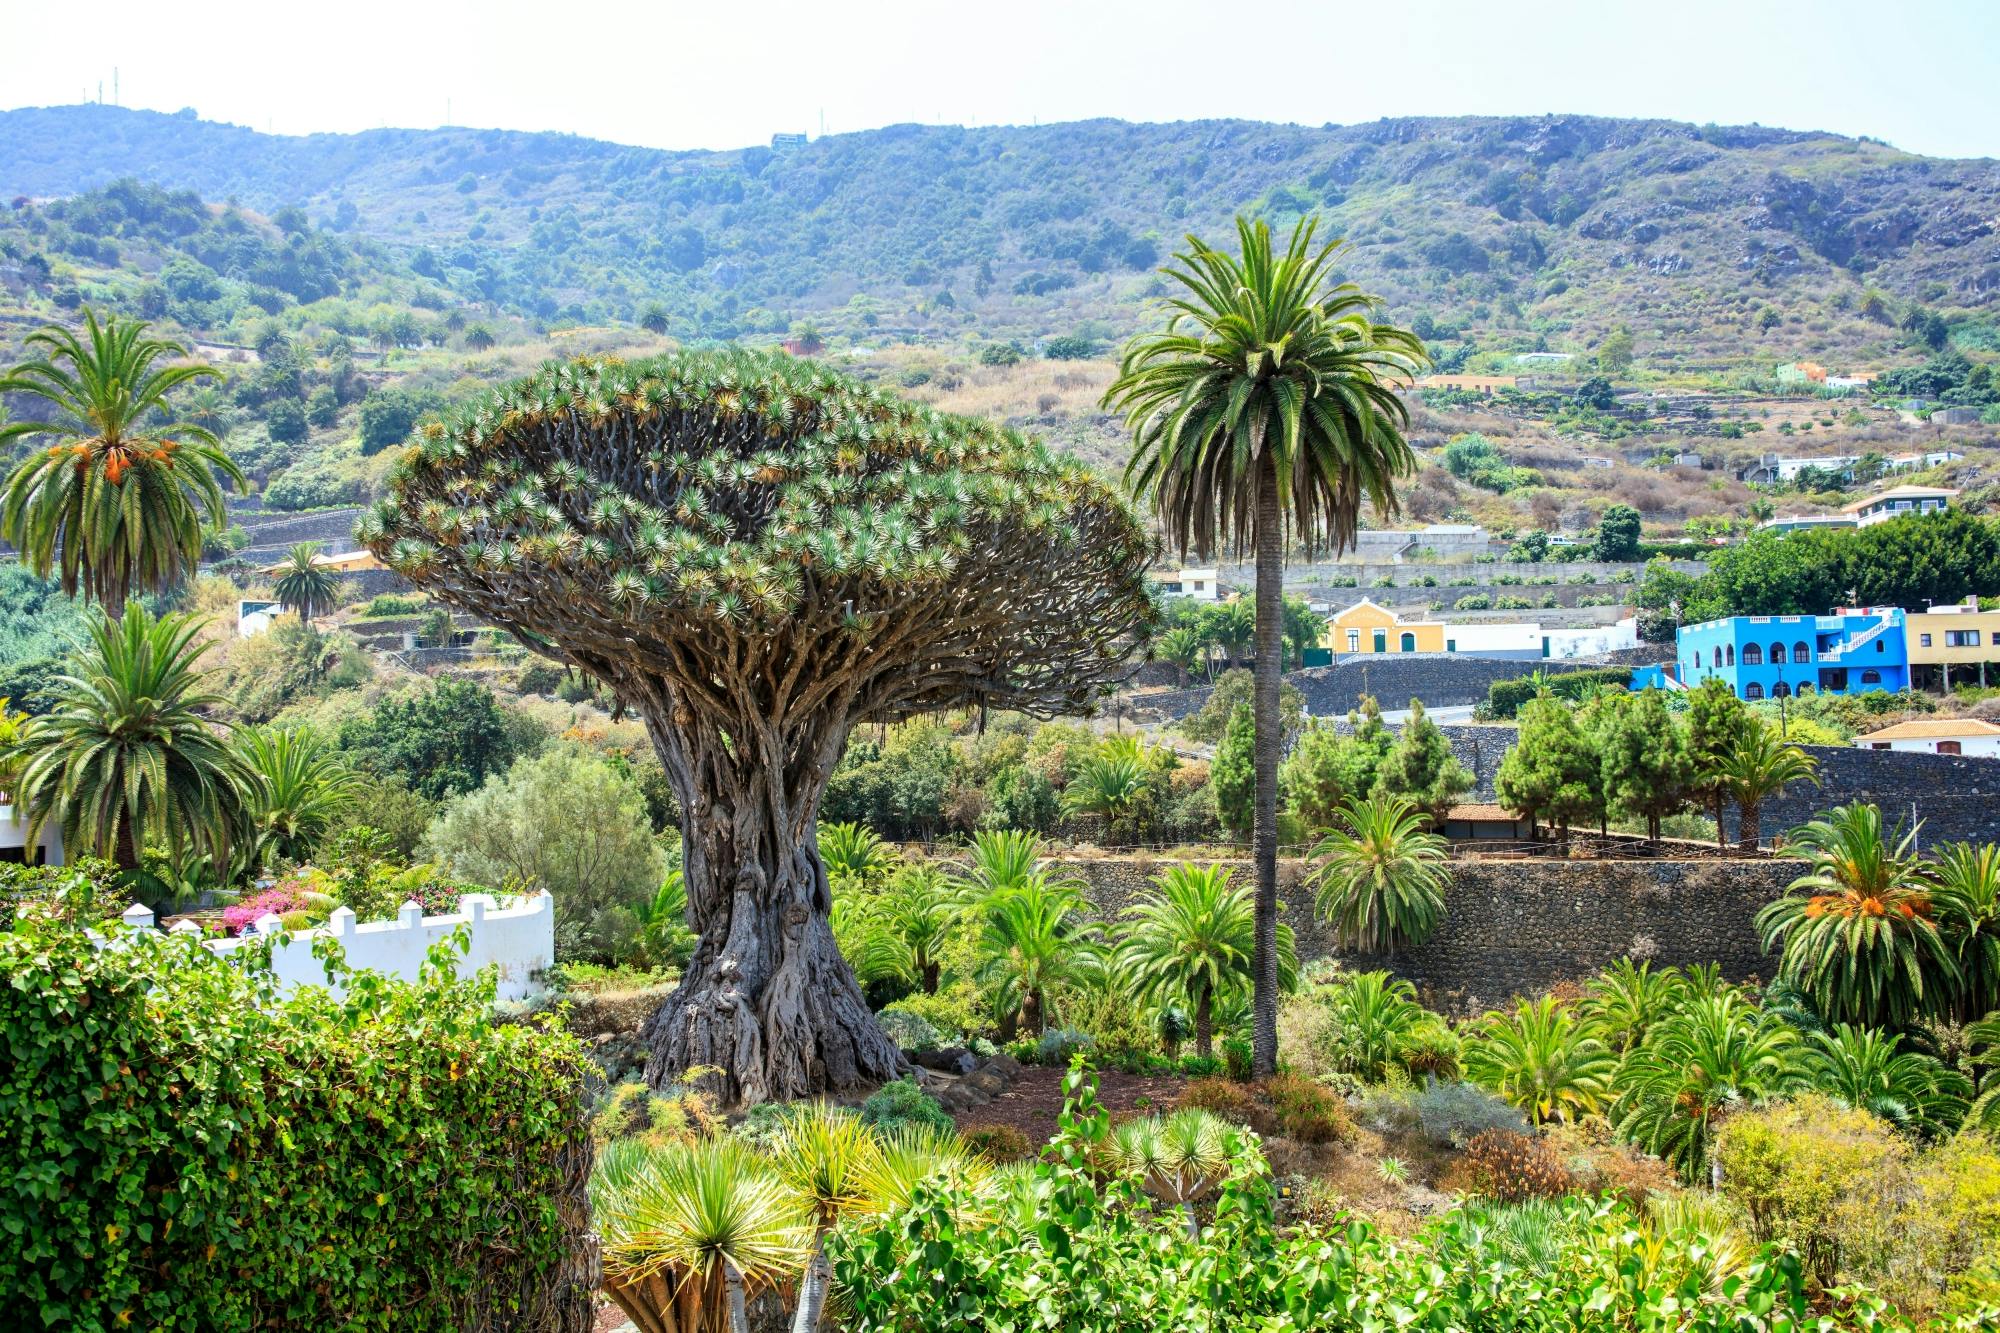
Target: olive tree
x=755 y=554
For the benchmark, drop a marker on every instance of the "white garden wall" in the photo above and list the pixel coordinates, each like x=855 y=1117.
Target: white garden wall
x=520 y=941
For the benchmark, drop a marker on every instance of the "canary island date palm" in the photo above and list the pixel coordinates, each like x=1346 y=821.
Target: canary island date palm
x=755 y=554
x=1713 y=1054
x=1622 y=1002
x=1966 y=893
x=1190 y=937
x=1858 y=931
x=126 y=758
x=1266 y=412
x=1757 y=767
x=1031 y=937
x=299 y=787
x=1862 y=1068
x=304 y=585
x=1379 y=875
x=117 y=500
x=1541 y=1059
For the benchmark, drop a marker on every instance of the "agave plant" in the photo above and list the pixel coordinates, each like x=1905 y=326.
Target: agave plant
x=693 y=1232
x=825 y=1156
x=1177 y=1159
x=1542 y=1060
x=1713 y=1054
x=1858 y=928
x=1379 y=875
x=1863 y=1069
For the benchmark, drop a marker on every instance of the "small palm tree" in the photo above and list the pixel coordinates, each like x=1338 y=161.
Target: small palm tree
x=116 y=501
x=126 y=758
x=1031 y=937
x=1621 y=1003
x=1377 y=1018
x=1966 y=892
x=1183 y=647
x=825 y=1157
x=299 y=787
x=692 y=1232
x=1983 y=1040
x=1268 y=404
x=1001 y=859
x=854 y=851
x=664 y=937
x=654 y=318
x=479 y=338
x=1191 y=937
x=913 y=922
x=304 y=585
x=1862 y=1068
x=1542 y=1060
x=1112 y=783
x=1857 y=929
x=1759 y=766
x=1379 y=875
x=1713 y=1054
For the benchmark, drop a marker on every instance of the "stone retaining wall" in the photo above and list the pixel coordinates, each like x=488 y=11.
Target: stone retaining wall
x=1519 y=927
x=1441 y=680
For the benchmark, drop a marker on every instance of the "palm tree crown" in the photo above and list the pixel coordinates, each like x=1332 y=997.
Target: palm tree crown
x=1192 y=937
x=304 y=585
x=1380 y=875
x=126 y=756
x=117 y=502
x=300 y=787
x=1268 y=402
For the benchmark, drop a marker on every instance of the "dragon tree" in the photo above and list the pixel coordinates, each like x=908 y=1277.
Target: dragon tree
x=756 y=554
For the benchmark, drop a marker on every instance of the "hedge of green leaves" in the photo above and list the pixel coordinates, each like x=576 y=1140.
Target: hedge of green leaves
x=1505 y=697
x=185 y=1149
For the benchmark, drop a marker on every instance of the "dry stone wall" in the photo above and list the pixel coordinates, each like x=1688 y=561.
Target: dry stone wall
x=1519 y=927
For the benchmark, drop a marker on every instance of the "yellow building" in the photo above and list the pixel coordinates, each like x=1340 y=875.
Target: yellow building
x=1368 y=628
x=1952 y=645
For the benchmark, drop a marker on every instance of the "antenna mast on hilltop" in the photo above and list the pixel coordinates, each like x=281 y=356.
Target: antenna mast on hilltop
x=114 y=87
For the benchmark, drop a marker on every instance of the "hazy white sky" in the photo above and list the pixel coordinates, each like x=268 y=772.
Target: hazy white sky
x=1922 y=74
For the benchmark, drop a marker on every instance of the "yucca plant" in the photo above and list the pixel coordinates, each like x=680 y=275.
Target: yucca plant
x=1266 y=410
x=1858 y=930
x=1379 y=875
x=304 y=585
x=1862 y=1068
x=912 y=1154
x=118 y=501
x=1541 y=1059
x=1713 y=1054
x=826 y=1157
x=1177 y=1159
x=299 y=786
x=691 y=1233
x=126 y=757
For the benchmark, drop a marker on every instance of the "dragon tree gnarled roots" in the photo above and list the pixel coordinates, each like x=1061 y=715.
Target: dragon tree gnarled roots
x=756 y=554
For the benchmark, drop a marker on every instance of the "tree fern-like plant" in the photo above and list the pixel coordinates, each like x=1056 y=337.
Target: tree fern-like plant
x=118 y=500
x=1858 y=929
x=126 y=758
x=1541 y=1059
x=1267 y=409
x=1379 y=875
x=303 y=584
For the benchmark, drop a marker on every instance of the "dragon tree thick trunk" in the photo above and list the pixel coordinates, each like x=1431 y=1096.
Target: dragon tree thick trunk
x=1264 y=813
x=767 y=998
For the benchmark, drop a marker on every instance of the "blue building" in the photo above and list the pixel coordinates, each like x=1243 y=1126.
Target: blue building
x=1771 y=657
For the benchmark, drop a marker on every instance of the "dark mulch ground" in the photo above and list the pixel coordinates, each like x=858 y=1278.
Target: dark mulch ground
x=1036 y=1099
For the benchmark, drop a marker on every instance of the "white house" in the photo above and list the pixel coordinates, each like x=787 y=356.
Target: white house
x=1197 y=585
x=14 y=845
x=1898 y=501
x=1961 y=735
x=254 y=616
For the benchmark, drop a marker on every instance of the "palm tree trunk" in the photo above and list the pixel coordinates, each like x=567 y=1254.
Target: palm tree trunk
x=931 y=978
x=1264 y=811
x=812 y=1288
x=1749 y=823
x=1204 y=1025
x=1715 y=809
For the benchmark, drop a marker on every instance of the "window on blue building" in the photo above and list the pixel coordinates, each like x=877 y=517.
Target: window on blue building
x=1871 y=676
x=1731 y=650
x=1752 y=655
x=1802 y=652
x=1777 y=654
x=1781 y=691
x=1753 y=690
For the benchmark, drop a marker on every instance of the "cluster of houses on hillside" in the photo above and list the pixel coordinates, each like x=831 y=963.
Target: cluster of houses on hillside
x=1368 y=628
x=1896 y=502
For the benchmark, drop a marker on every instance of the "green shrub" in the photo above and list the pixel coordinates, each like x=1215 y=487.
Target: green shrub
x=388 y=604
x=1454 y=1114
x=1058 y=1046
x=1505 y=697
x=910 y=1031
x=998 y=1143
x=186 y=1150
x=88 y=892
x=1308 y=1112
x=903 y=1103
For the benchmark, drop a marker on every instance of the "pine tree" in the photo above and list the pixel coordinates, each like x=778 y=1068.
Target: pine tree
x=1552 y=771
x=1234 y=772
x=1422 y=767
x=1643 y=762
x=1717 y=724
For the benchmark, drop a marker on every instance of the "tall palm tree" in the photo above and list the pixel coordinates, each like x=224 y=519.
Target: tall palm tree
x=1191 y=937
x=117 y=501
x=1031 y=936
x=1858 y=929
x=1379 y=875
x=304 y=585
x=299 y=787
x=126 y=758
x=1757 y=767
x=1267 y=404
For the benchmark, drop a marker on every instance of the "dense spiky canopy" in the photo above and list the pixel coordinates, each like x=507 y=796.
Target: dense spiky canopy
x=760 y=520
